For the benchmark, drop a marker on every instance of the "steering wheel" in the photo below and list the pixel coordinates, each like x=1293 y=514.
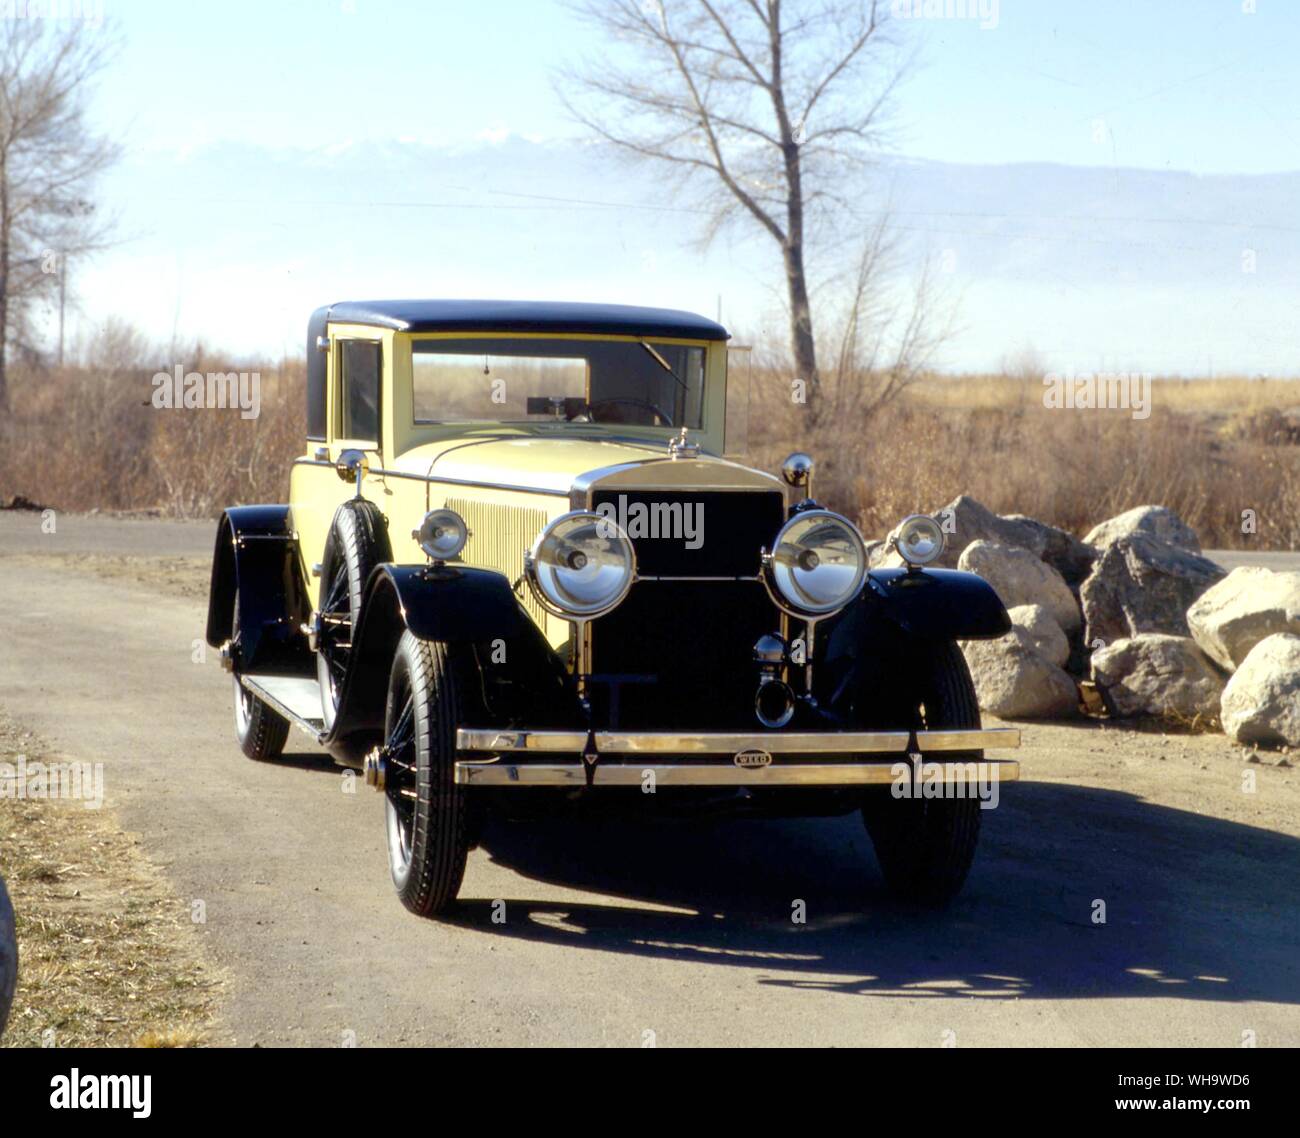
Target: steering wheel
x=643 y=404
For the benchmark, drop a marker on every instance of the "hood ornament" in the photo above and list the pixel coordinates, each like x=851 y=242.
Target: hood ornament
x=683 y=447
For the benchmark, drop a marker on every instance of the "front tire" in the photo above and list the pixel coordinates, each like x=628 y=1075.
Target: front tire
x=925 y=846
x=426 y=812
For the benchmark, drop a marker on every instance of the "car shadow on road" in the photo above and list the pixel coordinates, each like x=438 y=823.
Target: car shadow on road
x=1194 y=907
x=309 y=761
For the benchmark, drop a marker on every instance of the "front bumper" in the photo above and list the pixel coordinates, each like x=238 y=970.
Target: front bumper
x=625 y=758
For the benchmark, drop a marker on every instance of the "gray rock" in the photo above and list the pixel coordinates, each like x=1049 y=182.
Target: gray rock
x=8 y=956
x=1140 y=584
x=1015 y=682
x=1157 y=674
x=1159 y=522
x=1019 y=577
x=1261 y=703
x=1250 y=603
x=1040 y=632
x=965 y=520
x=1071 y=558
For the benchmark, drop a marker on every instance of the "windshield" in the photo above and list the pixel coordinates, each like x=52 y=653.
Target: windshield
x=497 y=379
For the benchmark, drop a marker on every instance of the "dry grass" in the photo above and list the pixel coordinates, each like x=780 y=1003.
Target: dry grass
x=1208 y=455
x=88 y=437
x=1236 y=394
x=107 y=954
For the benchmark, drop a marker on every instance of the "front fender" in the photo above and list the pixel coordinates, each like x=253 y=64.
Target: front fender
x=449 y=603
x=944 y=604
x=452 y=602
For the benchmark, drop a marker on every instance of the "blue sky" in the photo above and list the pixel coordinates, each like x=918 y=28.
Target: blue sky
x=227 y=108
x=1198 y=85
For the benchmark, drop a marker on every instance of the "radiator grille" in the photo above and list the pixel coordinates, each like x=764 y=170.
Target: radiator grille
x=733 y=526
x=499 y=537
x=679 y=653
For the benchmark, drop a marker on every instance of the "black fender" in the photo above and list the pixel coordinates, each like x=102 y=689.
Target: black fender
x=875 y=650
x=256 y=552
x=473 y=609
x=943 y=604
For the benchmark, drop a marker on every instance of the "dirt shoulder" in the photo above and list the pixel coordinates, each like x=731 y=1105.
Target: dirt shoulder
x=108 y=954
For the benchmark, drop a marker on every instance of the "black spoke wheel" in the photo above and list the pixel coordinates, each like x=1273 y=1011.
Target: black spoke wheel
x=426 y=812
x=262 y=732
x=358 y=541
x=925 y=846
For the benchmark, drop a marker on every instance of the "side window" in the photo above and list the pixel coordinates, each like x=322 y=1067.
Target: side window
x=361 y=366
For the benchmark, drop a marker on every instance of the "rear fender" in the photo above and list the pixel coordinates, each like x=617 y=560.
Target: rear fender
x=256 y=553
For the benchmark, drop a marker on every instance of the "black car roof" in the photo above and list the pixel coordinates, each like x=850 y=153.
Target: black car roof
x=524 y=316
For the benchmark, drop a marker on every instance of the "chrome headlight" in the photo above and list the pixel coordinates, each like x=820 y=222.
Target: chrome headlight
x=581 y=566
x=442 y=534
x=919 y=539
x=818 y=562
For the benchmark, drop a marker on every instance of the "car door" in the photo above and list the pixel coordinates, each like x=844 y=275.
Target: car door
x=353 y=421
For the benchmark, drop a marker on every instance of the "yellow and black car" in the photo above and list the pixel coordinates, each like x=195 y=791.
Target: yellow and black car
x=515 y=573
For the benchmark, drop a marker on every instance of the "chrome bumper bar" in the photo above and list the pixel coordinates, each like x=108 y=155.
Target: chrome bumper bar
x=532 y=758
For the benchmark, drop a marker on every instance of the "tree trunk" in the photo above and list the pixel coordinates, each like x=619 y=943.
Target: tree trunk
x=801 y=329
x=4 y=297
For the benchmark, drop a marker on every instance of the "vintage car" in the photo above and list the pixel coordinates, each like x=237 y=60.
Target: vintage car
x=516 y=574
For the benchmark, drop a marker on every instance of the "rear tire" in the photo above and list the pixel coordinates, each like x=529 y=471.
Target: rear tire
x=925 y=846
x=262 y=732
x=427 y=813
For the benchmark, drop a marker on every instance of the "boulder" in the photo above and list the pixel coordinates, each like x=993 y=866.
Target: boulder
x=8 y=956
x=1015 y=682
x=1019 y=577
x=1071 y=558
x=1140 y=584
x=1157 y=674
x=1159 y=522
x=1261 y=703
x=1250 y=603
x=1040 y=632
x=965 y=520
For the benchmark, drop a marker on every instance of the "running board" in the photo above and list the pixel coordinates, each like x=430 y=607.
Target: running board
x=297 y=698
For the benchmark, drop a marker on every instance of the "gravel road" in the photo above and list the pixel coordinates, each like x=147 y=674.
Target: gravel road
x=683 y=930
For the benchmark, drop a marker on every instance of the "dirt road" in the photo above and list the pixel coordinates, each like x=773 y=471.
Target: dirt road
x=685 y=931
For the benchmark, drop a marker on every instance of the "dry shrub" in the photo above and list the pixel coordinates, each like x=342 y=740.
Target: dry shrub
x=992 y=438
x=88 y=436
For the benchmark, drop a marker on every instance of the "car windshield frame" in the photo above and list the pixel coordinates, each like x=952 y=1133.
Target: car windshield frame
x=635 y=374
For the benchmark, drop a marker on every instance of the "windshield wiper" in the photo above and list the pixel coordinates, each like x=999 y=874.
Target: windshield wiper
x=663 y=363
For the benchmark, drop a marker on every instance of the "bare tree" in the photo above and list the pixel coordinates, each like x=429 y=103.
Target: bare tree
x=49 y=159
x=771 y=102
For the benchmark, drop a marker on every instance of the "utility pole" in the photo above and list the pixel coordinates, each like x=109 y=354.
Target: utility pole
x=63 y=295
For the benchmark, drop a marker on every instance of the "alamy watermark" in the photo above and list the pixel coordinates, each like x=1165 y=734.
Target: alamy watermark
x=193 y=390
x=985 y=11
x=91 y=11
x=1096 y=391
x=36 y=780
x=918 y=778
x=672 y=521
